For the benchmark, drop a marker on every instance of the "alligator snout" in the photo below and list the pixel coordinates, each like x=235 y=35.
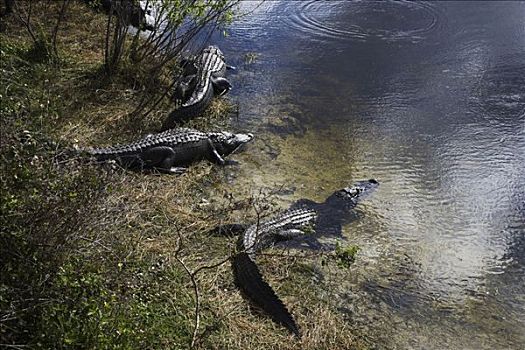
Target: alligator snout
x=368 y=185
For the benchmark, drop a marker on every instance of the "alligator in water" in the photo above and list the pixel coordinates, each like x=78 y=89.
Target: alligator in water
x=170 y=151
x=304 y=216
x=200 y=82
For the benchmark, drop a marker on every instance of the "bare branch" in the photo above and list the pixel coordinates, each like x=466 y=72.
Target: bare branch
x=26 y=21
x=61 y=14
x=106 y=47
x=195 y=291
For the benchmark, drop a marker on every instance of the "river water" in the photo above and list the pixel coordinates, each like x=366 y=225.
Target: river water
x=429 y=99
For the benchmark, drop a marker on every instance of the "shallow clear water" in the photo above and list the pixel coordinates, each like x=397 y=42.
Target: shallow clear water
x=428 y=98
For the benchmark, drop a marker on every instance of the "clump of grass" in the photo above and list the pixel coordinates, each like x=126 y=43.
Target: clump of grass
x=345 y=256
x=250 y=57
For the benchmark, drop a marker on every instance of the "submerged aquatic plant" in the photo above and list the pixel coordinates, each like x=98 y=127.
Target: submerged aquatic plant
x=345 y=256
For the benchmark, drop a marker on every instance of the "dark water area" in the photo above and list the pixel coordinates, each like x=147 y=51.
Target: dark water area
x=428 y=98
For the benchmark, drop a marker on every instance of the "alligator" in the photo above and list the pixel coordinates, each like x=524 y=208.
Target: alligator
x=203 y=79
x=304 y=219
x=172 y=150
x=131 y=11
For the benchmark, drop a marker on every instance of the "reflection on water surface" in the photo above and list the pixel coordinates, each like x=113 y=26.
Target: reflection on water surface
x=429 y=98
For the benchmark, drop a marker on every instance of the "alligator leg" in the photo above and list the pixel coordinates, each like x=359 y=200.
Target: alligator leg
x=188 y=66
x=185 y=87
x=176 y=170
x=161 y=158
x=289 y=234
x=221 y=85
x=304 y=242
x=185 y=113
x=214 y=156
x=231 y=162
x=131 y=161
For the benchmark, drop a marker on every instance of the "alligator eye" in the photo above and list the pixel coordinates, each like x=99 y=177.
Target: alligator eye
x=354 y=192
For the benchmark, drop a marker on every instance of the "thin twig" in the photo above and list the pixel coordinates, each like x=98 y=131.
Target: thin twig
x=108 y=27
x=208 y=267
x=195 y=291
x=26 y=21
x=14 y=346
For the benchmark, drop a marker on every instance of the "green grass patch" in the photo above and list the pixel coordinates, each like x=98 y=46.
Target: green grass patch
x=345 y=256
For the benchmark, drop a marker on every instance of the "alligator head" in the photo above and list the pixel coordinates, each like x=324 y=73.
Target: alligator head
x=351 y=195
x=226 y=142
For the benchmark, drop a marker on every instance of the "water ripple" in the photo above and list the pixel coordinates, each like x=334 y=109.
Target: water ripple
x=363 y=20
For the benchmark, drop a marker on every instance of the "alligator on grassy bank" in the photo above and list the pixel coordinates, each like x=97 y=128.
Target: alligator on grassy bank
x=306 y=220
x=170 y=151
x=201 y=80
x=130 y=10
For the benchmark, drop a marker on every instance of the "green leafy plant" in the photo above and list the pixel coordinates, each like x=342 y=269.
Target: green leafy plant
x=345 y=256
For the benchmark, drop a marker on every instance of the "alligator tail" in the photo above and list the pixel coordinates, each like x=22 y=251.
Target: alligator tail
x=249 y=279
x=185 y=113
x=103 y=154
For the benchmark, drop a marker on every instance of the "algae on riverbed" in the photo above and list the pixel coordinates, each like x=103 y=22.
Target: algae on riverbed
x=300 y=166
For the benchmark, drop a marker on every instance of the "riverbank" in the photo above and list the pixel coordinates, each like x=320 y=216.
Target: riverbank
x=98 y=257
